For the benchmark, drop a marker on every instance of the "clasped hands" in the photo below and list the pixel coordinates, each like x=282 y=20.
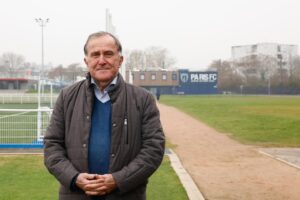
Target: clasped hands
x=94 y=184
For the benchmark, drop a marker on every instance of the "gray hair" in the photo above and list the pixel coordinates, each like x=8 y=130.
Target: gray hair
x=100 y=34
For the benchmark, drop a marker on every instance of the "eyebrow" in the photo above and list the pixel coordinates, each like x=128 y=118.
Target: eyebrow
x=105 y=52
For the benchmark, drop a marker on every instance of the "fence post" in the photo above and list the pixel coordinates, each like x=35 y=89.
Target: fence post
x=39 y=123
x=51 y=96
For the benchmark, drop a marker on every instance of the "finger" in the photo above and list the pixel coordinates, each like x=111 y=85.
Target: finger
x=93 y=186
x=95 y=192
x=103 y=188
x=92 y=193
x=90 y=176
x=99 y=177
x=94 y=181
x=84 y=177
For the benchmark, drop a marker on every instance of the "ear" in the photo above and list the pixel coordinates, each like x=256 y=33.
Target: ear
x=85 y=61
x=121 y=61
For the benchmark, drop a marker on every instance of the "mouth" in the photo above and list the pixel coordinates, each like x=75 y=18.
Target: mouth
x=102 y=69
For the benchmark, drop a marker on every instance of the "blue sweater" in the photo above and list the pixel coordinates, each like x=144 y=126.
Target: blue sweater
x=100 y=138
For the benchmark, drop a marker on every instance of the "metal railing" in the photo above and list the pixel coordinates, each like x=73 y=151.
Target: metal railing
x=19 y=127
x=23 y=98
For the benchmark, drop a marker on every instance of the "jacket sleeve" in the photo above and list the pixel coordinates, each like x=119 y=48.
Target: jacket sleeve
x=151 y=152
x=55 y=154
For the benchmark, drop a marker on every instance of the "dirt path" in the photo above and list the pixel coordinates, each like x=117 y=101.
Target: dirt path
x=224 y=169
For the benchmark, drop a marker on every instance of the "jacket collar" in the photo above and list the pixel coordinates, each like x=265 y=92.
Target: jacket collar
x=114 y=90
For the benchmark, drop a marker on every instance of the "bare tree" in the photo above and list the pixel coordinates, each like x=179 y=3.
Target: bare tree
x=11 y=62
x=75 y=70
x=135 y=60
x=151 y=58
x=158 y=57
x=258 y=71
x=57 y=73
x=294 y=71
x=67 y=74
x=261 y=74
x=228 y=78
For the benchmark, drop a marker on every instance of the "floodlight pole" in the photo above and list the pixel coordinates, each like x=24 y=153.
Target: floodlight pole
x=42 y=23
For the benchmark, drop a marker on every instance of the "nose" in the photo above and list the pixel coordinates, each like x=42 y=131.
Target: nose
x=101 y=60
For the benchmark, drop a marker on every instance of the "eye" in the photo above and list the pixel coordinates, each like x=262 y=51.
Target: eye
x=108 y=54
x=95 y=54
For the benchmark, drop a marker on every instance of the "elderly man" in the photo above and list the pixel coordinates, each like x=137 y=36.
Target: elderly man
x=105 y=137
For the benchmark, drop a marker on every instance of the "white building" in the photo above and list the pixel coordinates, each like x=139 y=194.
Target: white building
x=283 y=52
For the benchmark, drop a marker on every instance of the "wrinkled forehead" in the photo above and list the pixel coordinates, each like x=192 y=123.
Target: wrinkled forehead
x=103 y=42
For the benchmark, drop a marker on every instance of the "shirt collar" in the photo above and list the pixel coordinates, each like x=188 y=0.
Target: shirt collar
x=103 y=95
x=111 y=84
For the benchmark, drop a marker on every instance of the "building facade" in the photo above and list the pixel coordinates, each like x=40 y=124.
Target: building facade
x=176 y=82
x=20 y=79
x=284 y=53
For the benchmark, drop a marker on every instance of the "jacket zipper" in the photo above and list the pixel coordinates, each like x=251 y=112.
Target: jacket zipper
x=125 y=131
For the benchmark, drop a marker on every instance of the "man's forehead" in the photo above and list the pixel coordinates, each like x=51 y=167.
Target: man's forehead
x=103 y=41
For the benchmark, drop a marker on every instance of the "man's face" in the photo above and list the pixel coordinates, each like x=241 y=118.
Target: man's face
x=103 y=59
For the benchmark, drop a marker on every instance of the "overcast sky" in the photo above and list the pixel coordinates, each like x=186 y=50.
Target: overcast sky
x=194 y=31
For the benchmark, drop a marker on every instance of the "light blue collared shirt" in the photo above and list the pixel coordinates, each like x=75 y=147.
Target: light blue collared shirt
x=103 y=96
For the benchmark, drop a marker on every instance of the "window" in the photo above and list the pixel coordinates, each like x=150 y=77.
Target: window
x=153 y=77
x=142 y=76
x=164 y=77
x=174 y=77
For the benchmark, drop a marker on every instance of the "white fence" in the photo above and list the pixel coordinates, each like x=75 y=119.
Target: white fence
x=23 y=128
x=24 y=98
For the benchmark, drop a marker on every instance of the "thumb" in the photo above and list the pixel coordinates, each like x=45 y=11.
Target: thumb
x=87 y=176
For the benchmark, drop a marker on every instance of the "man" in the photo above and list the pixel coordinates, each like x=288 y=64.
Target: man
x=105 y=137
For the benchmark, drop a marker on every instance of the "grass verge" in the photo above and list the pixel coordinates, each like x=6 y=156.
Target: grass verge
x=25 y=177
x=258 y=120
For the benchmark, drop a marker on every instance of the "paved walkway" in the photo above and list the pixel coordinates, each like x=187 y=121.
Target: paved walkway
x=290 y=156
x=224 y=169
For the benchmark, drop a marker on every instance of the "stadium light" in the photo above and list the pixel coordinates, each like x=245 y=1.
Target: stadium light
x=42 y=23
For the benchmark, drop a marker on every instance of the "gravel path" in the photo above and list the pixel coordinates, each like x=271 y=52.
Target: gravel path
x=224 y=169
